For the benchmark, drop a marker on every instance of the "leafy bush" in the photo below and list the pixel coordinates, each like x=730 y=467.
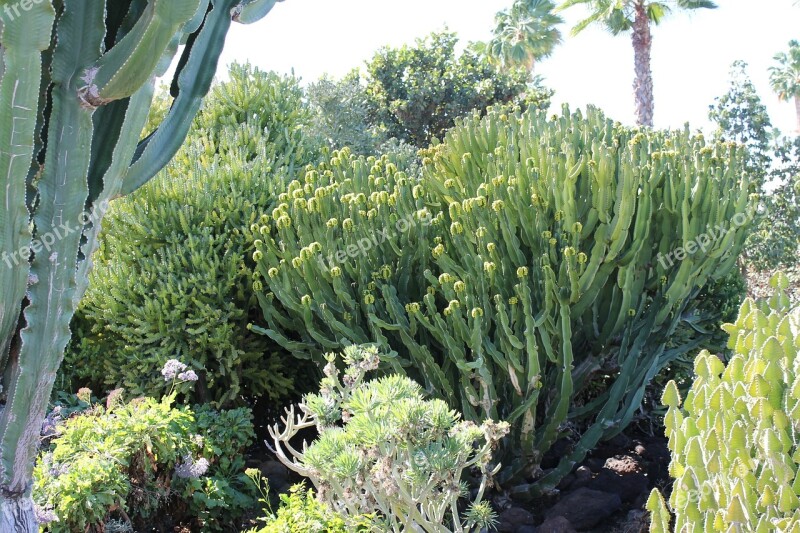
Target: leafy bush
x=397 y=455
x=173 y=276
x=530 y=247
x=418 y=93
x=300 y=512
x=735 y=458
x=139 y=462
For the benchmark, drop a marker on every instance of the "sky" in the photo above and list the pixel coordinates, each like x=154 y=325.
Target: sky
x=692 y=52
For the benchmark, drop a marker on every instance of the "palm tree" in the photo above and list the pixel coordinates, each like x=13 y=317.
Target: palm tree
x=635 y=16
x=524 y=34
x=785 y=77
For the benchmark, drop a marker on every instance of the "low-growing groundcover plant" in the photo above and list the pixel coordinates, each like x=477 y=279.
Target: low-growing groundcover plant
x=384 y=449
x=734 y=438
x=142 y=463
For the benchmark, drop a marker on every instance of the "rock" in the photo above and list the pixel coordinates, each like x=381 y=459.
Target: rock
x=640 y=450
x=585 y=507
x=527 y=529
x=628 y=487
x=273 y=468
x=595 y=464
x=623 y=465
x=557 y=524
x=514 y=518
x=583 y=473
x=566 y=482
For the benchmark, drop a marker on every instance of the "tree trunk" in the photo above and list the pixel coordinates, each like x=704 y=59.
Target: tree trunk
x=17 y=515
x=643 y=84
x=797 y=107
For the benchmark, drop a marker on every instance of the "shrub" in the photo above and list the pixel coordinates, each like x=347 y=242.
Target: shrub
x=534 y=260
x=300 y=511
x=418 y=93
x=143 y=462
x=397 y=455
x=735 y=458
x=172 y=278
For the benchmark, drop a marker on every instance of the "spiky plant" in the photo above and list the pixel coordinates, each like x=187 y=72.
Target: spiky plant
x=77 y=83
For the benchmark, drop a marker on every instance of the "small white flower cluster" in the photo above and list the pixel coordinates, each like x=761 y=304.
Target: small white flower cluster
x=175 y=369
x=190 y=468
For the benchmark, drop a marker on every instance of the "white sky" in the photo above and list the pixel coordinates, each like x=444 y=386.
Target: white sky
x=692 y=53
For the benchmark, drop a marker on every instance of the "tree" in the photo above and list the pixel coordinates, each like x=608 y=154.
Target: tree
x=524 y=34
x=76 y=85
x=417 y=93
x=635 y=16
x=785 y=77
x=741 y=117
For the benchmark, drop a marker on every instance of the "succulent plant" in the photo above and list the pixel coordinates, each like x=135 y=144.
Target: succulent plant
x=523 y=263
x=733 y=439
x=76 y=86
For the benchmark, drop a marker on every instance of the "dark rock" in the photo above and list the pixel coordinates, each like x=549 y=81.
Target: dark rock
x=566 y=483
x=557 y=524
x=513 y=518
x=585 y=507
x=273 y=469
x=623 y=464
x=559 y=449
x=628 y=487
x=595 y=464
x=583 y=474
x=526 y=529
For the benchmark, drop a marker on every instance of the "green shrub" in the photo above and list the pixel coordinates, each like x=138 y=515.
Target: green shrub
x=735 y=458
x=301 y=512
x=140 y=462
x=417 y=93
x=532 y=261
x=397 y=456
x=172 y=278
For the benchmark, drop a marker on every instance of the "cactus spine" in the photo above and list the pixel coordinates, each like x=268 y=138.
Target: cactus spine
x=77 y=81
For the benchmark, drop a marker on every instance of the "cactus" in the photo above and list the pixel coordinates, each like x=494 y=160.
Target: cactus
x=77 y=83
x=521 y=264
x=735 y=459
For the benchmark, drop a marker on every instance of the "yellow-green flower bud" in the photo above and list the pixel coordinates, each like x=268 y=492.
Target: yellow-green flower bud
x=386 y=272
x=513 y=300
x=522 y=272
x=272 y=272
x=417 y=191
x=553 y=242
x=257 y=256
x=477 y=312
x=258 y=286
x=412 y=308
x=347 y=224
x=438 y=250
x=284 y=222
x=369 y=299
x=582 y=258
x=559 y=215
x=491 y=247
x=455 y=209
x=569 y=251
x=459 y=286
x=450 y=183
x=456 y=228
x=498 y=205
x=546 y=235
x=297 y=194
x=431 y=290
x=283 y=197
x=332 y=222
x=577 y=227
x=445 y=278
x=306 y=300
x=631 y=312
x=336 y=272
x=489 y=267
x=297 y=262
x=480 y=232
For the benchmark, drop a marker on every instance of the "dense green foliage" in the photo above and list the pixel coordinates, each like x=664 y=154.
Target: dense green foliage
x=417 y=93
x=734 y=441
x=530 y=246
x=300 y=512
x=773 y=163
x=173 y=276
x=397 y=456
x=524 y=34
x=140 y=462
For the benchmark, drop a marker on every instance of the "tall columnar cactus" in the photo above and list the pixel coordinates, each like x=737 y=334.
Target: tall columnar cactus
x=734 y=443
x=77 y=83
x=533 y=257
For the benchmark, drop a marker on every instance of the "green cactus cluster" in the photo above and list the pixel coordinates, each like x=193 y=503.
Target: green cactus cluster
x=735 y=458
x=76 y=84
x=522 y=264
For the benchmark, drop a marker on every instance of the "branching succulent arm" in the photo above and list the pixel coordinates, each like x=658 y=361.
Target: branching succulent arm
x=77 y=84
x=396 y=454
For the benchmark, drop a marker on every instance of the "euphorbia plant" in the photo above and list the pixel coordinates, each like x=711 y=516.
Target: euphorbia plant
x=76 y=86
